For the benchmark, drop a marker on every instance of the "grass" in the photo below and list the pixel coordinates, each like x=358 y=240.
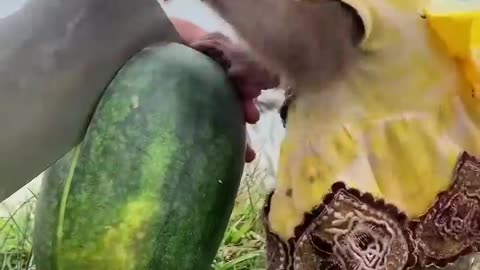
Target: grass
x=16 y=238
x=242 y=247
x=243 y=244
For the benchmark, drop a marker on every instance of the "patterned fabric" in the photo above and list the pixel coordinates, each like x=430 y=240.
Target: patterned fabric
x=352 y=230
x=393 y=126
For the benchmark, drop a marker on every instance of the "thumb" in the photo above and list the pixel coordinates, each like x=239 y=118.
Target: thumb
x=249 y=154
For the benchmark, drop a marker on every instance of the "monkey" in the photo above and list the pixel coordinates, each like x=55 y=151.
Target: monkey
x=303 y=52
x=378 y=162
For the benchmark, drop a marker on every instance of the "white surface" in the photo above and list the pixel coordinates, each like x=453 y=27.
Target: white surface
x=8 y=7
x=198 y=13
x=13 y=202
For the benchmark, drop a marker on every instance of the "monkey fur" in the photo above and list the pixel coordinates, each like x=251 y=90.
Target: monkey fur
x=306 y=43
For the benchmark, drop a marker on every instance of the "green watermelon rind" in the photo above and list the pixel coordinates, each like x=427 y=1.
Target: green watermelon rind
x=153 y=183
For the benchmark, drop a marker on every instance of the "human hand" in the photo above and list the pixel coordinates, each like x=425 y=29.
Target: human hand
x=247 y=75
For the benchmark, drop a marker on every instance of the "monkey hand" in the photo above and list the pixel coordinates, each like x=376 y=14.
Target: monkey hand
x=248 y=77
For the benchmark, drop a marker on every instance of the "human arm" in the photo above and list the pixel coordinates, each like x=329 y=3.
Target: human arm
x=56 y=58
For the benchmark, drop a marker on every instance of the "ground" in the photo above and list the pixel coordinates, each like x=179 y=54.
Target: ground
x=242 y=248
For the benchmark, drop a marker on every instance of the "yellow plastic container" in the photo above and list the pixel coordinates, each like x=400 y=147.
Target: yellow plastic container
x=457 y=23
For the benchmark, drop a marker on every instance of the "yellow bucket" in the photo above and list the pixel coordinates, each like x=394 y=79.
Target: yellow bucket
x=457 y=24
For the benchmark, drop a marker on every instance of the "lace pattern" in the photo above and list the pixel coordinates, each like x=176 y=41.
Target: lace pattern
x=351 y=230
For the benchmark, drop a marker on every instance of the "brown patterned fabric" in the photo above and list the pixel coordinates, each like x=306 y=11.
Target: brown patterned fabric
x=351 y=230
x=279 y=253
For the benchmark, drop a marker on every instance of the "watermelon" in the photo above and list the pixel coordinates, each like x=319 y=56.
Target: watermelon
x=153 y=183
